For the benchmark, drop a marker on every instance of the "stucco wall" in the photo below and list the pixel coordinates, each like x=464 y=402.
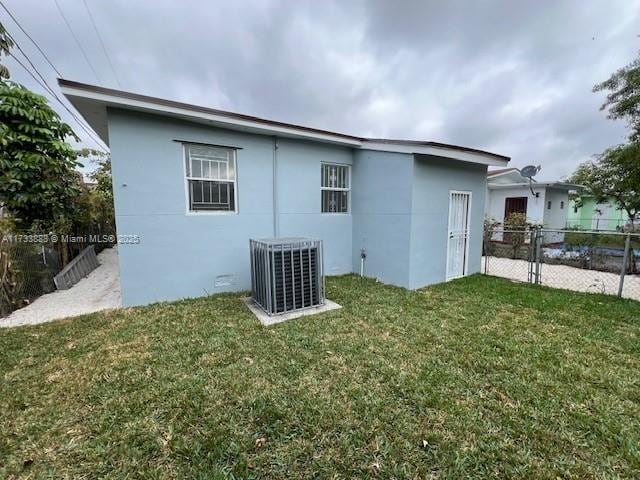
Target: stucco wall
x=192 y=254
x=399 y=209
x=433 y=179
x=381 y=196
x=587 y=218
x=535 y=205
x=400 y=215
x=581 y=216
x=299 y=200
x=556 y=217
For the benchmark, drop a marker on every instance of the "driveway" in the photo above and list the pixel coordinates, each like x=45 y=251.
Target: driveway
x=100 y=290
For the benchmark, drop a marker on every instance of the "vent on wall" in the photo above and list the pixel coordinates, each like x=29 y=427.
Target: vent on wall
x=286 y=274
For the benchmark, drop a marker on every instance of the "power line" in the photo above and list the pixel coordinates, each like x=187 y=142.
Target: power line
x=43 y=82
x=84 y=54
x=47 y=89
x=30 y=72
x=32 y=40
x=104 y=49
x=46 y=85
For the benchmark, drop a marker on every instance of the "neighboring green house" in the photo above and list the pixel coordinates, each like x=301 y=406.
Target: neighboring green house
x=596 y=216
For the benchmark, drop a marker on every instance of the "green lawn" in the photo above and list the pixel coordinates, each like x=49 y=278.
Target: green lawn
x=579 y=239
x=475 y=378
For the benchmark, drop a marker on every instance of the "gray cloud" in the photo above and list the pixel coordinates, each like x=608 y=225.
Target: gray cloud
x=511 y=77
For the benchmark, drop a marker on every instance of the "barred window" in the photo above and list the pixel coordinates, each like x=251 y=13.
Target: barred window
x=335 y=188
x=211 y=178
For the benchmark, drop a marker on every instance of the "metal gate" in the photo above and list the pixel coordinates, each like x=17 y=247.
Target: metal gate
x=580 y=260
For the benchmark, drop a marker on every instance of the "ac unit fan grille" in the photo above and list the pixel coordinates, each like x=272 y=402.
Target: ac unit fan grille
x=286 y=275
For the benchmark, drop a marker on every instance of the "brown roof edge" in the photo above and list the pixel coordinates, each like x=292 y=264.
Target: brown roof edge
x=239 y=116
x=194 y=108
x=437 y=144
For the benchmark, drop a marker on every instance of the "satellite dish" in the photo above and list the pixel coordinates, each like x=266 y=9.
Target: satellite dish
x=530 y=171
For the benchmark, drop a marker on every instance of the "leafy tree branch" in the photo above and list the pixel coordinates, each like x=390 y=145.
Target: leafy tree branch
x=623 y=99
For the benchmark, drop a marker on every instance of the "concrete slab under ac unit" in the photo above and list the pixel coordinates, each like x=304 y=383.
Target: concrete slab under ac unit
x=267 y=320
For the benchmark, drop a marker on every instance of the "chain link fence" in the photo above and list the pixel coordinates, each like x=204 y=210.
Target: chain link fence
x=28 y=264
x=599 y=224
x=584 y=261
x=26 y=272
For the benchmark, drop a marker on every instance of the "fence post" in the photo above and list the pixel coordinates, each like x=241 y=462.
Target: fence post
x=538 y=254
x=623 y=271
x=532 y=250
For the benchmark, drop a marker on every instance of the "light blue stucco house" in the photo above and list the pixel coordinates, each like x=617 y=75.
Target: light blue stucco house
x=195 y=184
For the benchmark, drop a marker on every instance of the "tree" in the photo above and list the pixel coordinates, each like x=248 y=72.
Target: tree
x=614 y=174
x=624 y=100
x=5 y=48
x=38 y=181
x=101 y=195
x=490 y=225
x=516 y=226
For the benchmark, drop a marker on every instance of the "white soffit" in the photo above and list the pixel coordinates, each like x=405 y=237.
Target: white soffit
x=92 y=103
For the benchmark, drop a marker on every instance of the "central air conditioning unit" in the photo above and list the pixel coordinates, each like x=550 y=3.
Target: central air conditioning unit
x=286 y=274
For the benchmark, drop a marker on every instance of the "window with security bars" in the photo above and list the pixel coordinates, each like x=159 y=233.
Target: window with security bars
x=335 y=188
x=211 y=178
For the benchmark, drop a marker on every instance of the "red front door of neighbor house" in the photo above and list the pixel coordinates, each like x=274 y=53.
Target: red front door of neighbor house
x=514 y=205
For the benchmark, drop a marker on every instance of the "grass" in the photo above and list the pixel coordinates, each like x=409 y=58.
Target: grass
x=578 y=239
x=471 y=379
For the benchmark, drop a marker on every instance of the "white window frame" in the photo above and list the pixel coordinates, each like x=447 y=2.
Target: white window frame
x=335 y=189
x=185 y=153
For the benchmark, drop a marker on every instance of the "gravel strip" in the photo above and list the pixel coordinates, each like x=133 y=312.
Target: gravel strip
x=100 y=290
x=569 y=278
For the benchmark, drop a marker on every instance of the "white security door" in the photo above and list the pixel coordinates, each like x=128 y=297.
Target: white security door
x=458 y=240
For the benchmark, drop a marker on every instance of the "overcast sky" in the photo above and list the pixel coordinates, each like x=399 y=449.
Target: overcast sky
x=512 y=77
